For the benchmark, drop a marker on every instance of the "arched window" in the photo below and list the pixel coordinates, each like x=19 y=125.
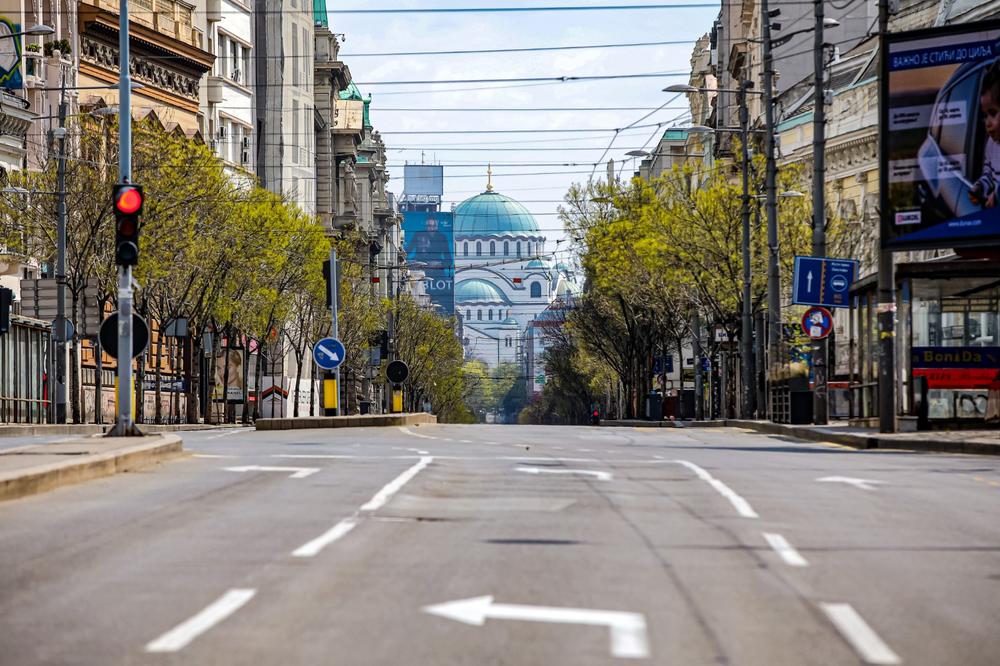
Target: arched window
x=519 y=248
x=491 y=314
x=536 y=289
x=529 y=249
x=506 y=248
x=479 y=315
x=479 y=249
x=465 y=248
x=493 y=248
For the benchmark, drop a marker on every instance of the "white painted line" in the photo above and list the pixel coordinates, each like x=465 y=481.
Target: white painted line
x=314 y=547
x=227 y=433
x=787 y=552
x=862 y=637
x=628 y=630
x=210 y=455
x=465 y=441
x=296 y=472
x=418 y=451
x=741 y=505
x=407 y=431
x=863 y=484
x=185 y=632
x=601 y=476
x=393 y=487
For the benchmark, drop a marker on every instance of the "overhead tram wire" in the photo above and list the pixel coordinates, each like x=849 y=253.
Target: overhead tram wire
x=531 y=49
x=509 y=10
x=524 y=79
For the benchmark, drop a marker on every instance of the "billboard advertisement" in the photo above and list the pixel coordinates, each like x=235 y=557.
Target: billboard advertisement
x=10 y=55
x=940 y=121
x=423 y=180
x=429 y=245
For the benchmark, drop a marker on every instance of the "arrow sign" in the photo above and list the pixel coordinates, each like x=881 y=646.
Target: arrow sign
x=628 y=630
x=601 y=476
x=329 y=353
x=863 y=484
x=809 y=282
x=297 y=472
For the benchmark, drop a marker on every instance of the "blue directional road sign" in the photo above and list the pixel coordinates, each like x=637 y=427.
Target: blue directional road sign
x=822 y=281
x=329 y=353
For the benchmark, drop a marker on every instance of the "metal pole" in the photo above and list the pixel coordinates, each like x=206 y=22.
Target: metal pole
x=335 y=330
x=771 y=202
x=60 y=333
x=886 y=295
x=124 y=426
x=699 y=389
x=746 y=336
x=819 y=348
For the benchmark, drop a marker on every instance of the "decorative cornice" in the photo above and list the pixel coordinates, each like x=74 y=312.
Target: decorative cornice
x=105 y=56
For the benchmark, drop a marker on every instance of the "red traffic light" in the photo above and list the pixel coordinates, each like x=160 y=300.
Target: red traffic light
x=129 y=200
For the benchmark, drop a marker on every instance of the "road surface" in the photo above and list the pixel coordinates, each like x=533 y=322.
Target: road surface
x=439 y=545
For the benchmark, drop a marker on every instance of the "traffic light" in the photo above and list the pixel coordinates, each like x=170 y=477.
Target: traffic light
x=128 y=200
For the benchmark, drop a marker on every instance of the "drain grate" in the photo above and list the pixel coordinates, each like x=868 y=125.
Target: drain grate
x=534 y=542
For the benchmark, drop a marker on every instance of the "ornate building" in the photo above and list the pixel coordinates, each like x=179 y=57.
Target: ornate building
x=503 y=277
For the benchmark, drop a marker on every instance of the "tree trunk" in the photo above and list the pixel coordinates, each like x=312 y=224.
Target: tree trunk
x=298 y=380
x=191 y=352
x=158 y=393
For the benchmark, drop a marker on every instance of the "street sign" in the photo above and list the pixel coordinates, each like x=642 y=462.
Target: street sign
x=397 y=372
x=109 y=335
x=63 y=333
x=329 y=353
x=817 y=323
x=822 y=281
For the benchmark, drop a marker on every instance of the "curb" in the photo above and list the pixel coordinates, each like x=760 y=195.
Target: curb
x=366 y=421
x=867 y=442
x=86 y=429
x=45 y=477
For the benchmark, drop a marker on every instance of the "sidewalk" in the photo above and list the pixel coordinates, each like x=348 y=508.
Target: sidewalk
x=979 y=442
x=356 y=421
x=85 y=429
x=35 y=469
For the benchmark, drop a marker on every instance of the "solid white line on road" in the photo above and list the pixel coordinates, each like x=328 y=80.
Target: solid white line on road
x=628 y=630
x=211 y=455
x=314 y=547
x=741 y=505
x=407 y=431
x=185 y=632
x=787 y=552
x=297 y=472
x=226 y=433
x=393 y=487
x=600 y=476
x=862 y=637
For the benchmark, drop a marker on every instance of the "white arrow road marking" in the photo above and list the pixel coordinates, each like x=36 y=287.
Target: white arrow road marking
x=741 y=505
x=785 y=550
x=628 y=630
x=862 y=637
x=185 y=632
x=601 y=476
x=297 y=472
x=863 y=484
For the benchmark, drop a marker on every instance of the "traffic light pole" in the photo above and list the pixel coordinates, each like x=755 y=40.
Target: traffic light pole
x=335 y=330
x=820 y=347
x=124 y=425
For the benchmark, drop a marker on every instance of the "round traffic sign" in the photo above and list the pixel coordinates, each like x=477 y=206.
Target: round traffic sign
x=817 y=323
x=839 y=283
x=397 y=372
x=329 y=353
x=109 y=335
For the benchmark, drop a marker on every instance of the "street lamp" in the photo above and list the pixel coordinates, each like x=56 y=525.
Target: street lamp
x=34 y=31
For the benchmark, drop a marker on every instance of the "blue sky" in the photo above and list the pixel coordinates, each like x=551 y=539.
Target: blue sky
x=426 y=32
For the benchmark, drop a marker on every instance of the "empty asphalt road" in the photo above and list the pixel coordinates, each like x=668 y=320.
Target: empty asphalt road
x=437 y=545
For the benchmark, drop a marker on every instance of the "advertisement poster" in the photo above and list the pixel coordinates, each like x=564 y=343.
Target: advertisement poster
x=957 y=367
x=941 y=118
x=10 y=55
x=234 y=388
x=429 y=245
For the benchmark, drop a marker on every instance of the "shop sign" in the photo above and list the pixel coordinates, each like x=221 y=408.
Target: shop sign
x=956 y=367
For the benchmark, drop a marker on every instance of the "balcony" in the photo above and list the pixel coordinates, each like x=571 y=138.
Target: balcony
x=167 y=17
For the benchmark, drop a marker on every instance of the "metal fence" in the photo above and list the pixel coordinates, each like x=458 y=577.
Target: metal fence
x=24 y=357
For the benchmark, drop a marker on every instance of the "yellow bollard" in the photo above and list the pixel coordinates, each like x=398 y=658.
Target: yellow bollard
x=116 y=399
x=330 y=394
x=397 y=401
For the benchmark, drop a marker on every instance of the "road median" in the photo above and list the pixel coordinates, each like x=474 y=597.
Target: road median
x=358 y=421
x=36 y=469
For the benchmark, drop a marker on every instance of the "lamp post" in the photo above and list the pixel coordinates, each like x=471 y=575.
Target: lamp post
x=34 y=31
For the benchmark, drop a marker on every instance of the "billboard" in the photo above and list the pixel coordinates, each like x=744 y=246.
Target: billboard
x=423 y=180
x=940 y=119
x=429 y=245
x=10 y=55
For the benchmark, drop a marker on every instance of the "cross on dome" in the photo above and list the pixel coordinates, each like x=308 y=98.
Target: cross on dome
x=489 y=177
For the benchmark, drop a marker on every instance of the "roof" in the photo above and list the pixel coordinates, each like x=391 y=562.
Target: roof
x=538 y=263
x=675 y=135
x=477 y=290
x=493 y=214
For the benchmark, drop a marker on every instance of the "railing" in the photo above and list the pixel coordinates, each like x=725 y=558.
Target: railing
x=168 y=17
x=23 y=368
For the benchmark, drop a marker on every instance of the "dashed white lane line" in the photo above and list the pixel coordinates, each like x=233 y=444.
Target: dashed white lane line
x=185 y=632
x=407 y=431
x=226 y=433
x=418 y=451
x=741 y=505
x=787 y=552
x=466 y=441
x=862 y=637
x=338 y=531
x=211 y=455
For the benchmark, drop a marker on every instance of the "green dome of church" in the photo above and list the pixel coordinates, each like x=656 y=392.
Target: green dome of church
x=478 y=290
x=493 y=214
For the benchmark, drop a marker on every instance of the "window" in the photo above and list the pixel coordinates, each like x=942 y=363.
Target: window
x=490 y=312
x=295 y=131
x=468 y=315
x=493 y=249
x=234 y=61
x=536 y=289
x=518 y=248
x=529 y=249
x=295 y=56
x=465 y=248
x=479 y=315
x=506 y=248
x=479 y=249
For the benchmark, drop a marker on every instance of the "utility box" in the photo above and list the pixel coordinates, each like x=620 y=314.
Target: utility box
x=654 y=406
